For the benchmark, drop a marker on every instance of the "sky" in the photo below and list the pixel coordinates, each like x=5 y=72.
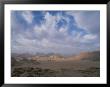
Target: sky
x=62 y=32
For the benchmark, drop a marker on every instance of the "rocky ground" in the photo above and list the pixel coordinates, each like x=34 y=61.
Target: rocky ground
x=79 y=66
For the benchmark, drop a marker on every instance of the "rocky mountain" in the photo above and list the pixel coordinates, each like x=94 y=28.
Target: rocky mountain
x=94 y=56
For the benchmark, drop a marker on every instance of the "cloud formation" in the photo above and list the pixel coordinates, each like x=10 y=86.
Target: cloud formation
x=64 y=32
x=27 y=16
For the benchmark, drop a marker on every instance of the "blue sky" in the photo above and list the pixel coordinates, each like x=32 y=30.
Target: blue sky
x=64 y=32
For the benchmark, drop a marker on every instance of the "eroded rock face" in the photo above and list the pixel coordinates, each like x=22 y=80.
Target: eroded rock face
x=94 y=56
x=90 y=56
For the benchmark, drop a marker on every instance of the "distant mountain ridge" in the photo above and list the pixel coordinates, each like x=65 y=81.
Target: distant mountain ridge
x=95 y=56
x=92 y=56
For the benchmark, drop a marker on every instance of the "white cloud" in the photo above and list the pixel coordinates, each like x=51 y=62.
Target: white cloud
x=87 y=20
x=28 y=16
x=46 y=38
x=62 y=30
x=90 y=39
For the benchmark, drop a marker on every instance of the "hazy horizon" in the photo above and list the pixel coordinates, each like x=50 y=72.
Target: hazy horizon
x=60 y=32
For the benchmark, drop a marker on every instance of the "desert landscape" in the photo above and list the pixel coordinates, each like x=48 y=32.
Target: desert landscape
x=85 y=64
x=55 y=43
